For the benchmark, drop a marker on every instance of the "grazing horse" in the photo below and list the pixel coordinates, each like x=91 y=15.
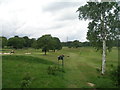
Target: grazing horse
x=12 y=51
x=61 y=58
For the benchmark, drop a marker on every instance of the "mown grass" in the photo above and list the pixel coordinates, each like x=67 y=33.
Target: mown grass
x=15 y=68
x=80 y=66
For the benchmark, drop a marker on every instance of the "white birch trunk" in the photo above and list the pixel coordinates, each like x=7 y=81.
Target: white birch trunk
x=104 y=57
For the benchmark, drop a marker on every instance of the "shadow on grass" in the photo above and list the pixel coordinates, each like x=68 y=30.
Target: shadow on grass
x=29 y=59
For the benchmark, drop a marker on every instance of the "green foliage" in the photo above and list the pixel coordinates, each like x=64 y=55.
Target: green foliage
x=34 y=44
x=104 y=22
x=47 y=42
x=16 y=42
x=75 y=44
x=3 y=41
x=52 y=70
x=28 y=42
x=112 y=79
x=69 y=44
x=115 y=75
x=84 y=44
x=56 y=44
x=103 y=82
x=26 y=81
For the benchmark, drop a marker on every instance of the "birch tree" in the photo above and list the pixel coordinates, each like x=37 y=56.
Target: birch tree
x=103 y=25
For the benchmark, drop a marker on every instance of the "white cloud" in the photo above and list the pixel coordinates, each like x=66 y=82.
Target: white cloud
x=37 y=17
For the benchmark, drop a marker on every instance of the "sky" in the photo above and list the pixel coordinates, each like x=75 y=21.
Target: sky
x=34 y=18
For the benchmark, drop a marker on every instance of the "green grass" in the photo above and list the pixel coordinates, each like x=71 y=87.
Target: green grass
x=80 y=68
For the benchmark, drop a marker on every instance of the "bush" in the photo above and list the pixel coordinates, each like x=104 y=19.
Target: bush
x=111 y=81
x=26 y=81
x=104 y=82
x=115 y=75
x=52 y=70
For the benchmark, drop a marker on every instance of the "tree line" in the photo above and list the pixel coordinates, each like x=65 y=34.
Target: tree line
x=76 y=44
x=46 y=42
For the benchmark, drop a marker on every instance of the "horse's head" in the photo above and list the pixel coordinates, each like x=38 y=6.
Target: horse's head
x=62 y=55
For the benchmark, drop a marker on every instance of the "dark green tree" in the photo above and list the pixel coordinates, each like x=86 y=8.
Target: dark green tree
x=31 y=41
x=3 y=41
x=34 y=43
x=56 y=44
x=16 y=42
x=86 y=43
x=45 y=42
x=69 y=44
x=76 y=44
x=27 y=41
x=103 y=25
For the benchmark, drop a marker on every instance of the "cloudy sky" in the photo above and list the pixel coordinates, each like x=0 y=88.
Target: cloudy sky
x=34 y=18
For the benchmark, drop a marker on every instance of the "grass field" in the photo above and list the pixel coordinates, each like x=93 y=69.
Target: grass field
x=80 y=68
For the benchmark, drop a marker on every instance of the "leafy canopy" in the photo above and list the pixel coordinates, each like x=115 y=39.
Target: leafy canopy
x=103 y=23
x=47 y=42
x=16 y=42
x=3 y=41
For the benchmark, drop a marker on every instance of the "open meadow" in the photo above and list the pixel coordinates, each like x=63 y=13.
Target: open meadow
x=53 y=44
x=81 y=68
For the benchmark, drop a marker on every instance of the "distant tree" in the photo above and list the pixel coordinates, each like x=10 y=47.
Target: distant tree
x=70 y=44
x=45 y=42
x=34 y=43
x=64 y=44
x=31 y=41
x=16 y=42
x=56 y=44
x=76 y=44
x=103 y=27
x=16 y=36
x=3 y=41
x=84 y=44
x=27 y=41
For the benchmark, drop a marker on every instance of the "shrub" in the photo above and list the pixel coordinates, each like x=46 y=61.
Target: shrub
x=103 y=82
x=111 y=81
x=52 y=70
x=26 y=81
x=115 y=75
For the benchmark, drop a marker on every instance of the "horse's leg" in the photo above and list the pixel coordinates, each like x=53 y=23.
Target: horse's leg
x=58 y=64
x=62 y=63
